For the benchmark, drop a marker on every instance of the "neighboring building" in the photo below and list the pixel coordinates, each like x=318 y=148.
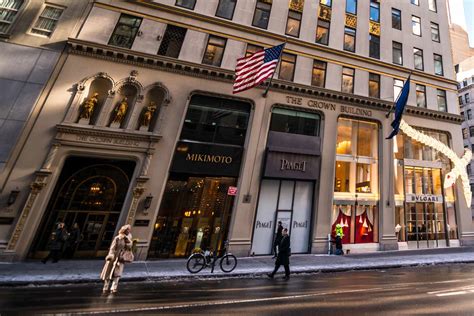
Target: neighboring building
x=458 y=32
x=140 y=126
x=33 y=35
x=466 y=104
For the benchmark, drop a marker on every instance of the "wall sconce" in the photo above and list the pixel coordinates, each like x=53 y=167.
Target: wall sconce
x=12 y=197
x=159 y=37
x=147 y=202
x=139 y=33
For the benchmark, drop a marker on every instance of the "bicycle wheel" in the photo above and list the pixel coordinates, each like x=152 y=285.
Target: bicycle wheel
x=196 y=263
x=228 y=263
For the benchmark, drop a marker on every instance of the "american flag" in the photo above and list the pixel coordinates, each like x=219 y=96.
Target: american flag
x=254 y=69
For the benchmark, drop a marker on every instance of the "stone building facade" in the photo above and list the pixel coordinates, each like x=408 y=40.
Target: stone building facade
x=140 y=126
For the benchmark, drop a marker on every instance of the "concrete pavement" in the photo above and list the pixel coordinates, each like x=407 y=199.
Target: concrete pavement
x=86 y=271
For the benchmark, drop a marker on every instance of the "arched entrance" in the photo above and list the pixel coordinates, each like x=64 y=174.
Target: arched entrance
x=91 y=193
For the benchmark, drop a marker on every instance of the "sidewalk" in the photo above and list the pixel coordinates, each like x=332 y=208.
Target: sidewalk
x=84 y=271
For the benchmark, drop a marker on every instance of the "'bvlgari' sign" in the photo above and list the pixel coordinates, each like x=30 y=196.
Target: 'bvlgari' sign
x=413 y=198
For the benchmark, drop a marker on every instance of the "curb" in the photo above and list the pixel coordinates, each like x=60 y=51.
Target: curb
x=192 y=277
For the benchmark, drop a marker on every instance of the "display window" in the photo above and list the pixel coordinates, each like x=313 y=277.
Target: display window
x=425 y=212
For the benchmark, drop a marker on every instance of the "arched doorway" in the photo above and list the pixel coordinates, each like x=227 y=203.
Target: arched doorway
x=91 y=193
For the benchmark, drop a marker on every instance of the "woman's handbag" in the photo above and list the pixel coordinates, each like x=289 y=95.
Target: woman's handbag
x=127 y=256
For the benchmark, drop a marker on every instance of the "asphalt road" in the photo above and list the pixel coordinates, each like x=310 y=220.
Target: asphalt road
x=429 y=290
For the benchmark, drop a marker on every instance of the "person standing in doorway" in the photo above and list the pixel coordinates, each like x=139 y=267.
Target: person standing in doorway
x=75 y=238
x=283 y=257
x=57 y=243
x=120 y=252
x=277 y=239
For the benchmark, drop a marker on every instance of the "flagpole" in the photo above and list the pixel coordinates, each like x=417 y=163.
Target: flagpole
x=273 y=75
x=393 y=106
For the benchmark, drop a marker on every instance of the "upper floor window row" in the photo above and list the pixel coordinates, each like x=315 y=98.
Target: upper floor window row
x=8 y=13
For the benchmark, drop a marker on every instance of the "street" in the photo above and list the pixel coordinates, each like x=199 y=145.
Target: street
x=444 y=289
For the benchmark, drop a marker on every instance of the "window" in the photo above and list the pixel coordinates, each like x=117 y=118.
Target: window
x=188 y=4
x=357 y=139
x=295 y=122
x=374 y=11
x=225 y=9
x=460 y=100
x=326 y=2
x=322 y=32
x=293 y=23
x=471 y=131
x=418 y=55
x=416 y=25
x=251 y=49
x=8 y=12
x=420 y=96
x=464 y=82
x=396 y=19
x=472 y=149
x=415 y=2
x=374 y=85
x=47 y=21
x=262 y=14
x=397 y=53
x=319 y=73
x=214 y=51
x=351 y=6
x=397 y=88
x=461 y=113
x=469 y=114
x=125 y=31
x=374 y=46
x=347 y=80
x=438 y=64
x=216 y=120
x=442 y=106
x=466 y=97
x=432 y=5
x=434 y=32
x=172 y=41
x=349 y=39
x=287 y=67
x=465 y=134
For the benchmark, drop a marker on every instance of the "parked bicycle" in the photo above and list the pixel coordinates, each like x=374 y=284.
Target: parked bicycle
x=203 y=259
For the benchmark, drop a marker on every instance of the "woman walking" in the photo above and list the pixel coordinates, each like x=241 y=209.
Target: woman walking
x=120 y=252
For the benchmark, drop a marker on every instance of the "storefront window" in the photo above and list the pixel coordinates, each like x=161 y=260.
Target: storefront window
x=359 y=140
x=196 y=207
x=295 y=122
x=215 y=120
x=429 y=218
x=342 y=176
x=358 y=223
x=194 y=213
x=344 y=137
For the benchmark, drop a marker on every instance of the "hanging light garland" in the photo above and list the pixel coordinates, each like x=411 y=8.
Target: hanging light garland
x=460 y=164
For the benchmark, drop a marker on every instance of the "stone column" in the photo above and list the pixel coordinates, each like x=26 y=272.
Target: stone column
x=36 y=187
x=388 y=239
x=137 y=193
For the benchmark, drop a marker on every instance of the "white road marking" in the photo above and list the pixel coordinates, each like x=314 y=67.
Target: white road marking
x=452 y=293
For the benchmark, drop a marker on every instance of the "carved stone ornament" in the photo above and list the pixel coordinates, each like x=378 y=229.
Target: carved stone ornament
x=351 y=20
x=296 y=5
x=325 y=13
x=374 y=28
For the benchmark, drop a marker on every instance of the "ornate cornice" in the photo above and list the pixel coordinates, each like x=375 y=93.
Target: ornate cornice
x=163 y=63
x=85 y=130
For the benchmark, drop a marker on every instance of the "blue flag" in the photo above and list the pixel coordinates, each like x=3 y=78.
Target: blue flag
x=400 y=107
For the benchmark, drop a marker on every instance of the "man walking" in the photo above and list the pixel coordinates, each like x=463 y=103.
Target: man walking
x=284 y=253
x=277 y=240
x=58 y=239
